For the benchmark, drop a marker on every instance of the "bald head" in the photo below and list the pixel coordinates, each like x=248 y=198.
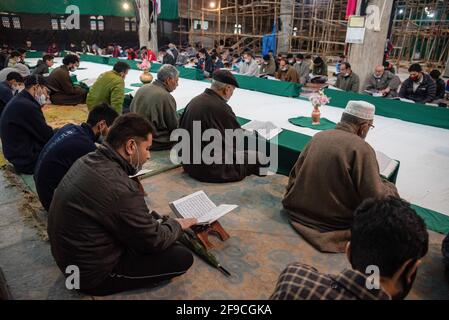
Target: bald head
x=379 y=71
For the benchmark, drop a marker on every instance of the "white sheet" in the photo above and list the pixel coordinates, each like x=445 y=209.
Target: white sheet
x=422 y=150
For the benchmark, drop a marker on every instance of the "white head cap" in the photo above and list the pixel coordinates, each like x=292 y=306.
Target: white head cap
x=361 y=109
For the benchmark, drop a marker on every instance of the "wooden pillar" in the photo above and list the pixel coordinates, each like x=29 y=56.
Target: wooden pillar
x=286 y=17
x=365 y=57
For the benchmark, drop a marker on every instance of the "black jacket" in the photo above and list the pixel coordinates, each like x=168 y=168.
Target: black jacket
x=425 y=93
x=214 y=113
x=41 y=68
x=98 y=213
x=441 y=89
x=24 y=132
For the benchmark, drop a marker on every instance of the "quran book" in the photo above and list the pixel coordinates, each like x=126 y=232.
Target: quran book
x=265 y=129
x=387 y=166
x=199 y=206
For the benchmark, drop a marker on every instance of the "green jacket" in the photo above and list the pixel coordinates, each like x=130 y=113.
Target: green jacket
x=109 y=88
x=350 y=83
x=155 y=103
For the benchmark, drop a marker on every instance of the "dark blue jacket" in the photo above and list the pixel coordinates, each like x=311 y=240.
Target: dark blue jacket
x=69 y=143
x=24 y=132
x=5 y=95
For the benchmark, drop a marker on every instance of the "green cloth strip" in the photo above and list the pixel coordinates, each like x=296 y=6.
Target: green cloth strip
x=306 y=122
x=278 y=88
x=411 y=112
x=34 y=54
x=435 y=221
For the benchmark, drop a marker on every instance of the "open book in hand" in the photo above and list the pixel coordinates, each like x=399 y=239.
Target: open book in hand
x=387 y=166
x=199 y=206
x=267 y=130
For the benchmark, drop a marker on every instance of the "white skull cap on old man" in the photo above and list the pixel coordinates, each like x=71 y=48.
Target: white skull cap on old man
x=361 y=109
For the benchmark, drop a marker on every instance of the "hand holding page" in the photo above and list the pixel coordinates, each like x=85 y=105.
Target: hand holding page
x=199 y=206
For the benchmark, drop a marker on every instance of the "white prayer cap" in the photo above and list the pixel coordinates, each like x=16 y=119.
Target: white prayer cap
x=361 y=109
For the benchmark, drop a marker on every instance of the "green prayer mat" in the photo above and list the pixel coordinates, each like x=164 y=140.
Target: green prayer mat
x=137 y=85
x=306 y=122
x=34 y=54
x=128 y=90
x=278 y=88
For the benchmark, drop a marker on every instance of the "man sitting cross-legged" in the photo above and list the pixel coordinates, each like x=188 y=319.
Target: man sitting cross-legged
x=69 y=143
x=100 y=223
x=335 y=172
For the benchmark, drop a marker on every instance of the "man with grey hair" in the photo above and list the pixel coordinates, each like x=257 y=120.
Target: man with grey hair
x=383 y=83
x=211 y=111
x=155 y=103
x=334 y=174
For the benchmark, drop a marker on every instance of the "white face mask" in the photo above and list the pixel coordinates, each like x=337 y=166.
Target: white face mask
x=73 y=69
x=42 y=99
x=137 y=167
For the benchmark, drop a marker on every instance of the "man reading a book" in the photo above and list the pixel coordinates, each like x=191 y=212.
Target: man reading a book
x=336 y=172
x=211 y=111
x=100 y=223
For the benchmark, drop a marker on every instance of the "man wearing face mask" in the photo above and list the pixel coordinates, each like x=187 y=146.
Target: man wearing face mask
x=70 y=143
x=346 y=79
x=24 y=131
x=99 y=220
x=383 y=82
x=155 y=103
x=63 y=91
x=268 y=66
x=419 y=87
x=387 y=234
x=302 y=68
x=211 y=110
x=286 y=72
x=249 y=66
x=109 y=88
x=335 y=172
x=9 y=88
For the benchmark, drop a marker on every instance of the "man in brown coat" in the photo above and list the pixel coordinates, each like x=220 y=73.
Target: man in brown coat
x=287 y=72
x=63 y=91
x=336 y=172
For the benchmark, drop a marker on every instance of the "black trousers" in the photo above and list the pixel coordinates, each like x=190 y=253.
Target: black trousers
x=135 y=271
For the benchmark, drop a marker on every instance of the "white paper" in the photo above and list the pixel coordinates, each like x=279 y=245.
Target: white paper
x=265 y=129
x=199 y=206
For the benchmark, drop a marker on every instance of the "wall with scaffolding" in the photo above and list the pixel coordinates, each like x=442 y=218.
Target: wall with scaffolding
x=419 y=32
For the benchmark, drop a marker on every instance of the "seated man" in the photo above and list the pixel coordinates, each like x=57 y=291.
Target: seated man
x=419 y=87
x=63 y=91
x=287 y=72
x=24 y=131
x=14 y=58
x=249 y=66
x=109 y=88
x=205 y=62
x=155 y=103
x=302 y=68
x=99 y=220
x=383 y=82
x=9 y=88
x=387 y=234
x=319 y=71
x=69 y=143
x=441 y=86
x=22 y=69
x=208 y=111
x=334 y=173
x=268 y=66
x=166 y=58
x=44 y=65
x=347 y=80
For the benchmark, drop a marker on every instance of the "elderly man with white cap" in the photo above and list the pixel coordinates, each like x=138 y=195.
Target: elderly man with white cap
x=334 y=174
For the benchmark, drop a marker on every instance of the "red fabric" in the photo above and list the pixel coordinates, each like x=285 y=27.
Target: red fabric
x=351 y=8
